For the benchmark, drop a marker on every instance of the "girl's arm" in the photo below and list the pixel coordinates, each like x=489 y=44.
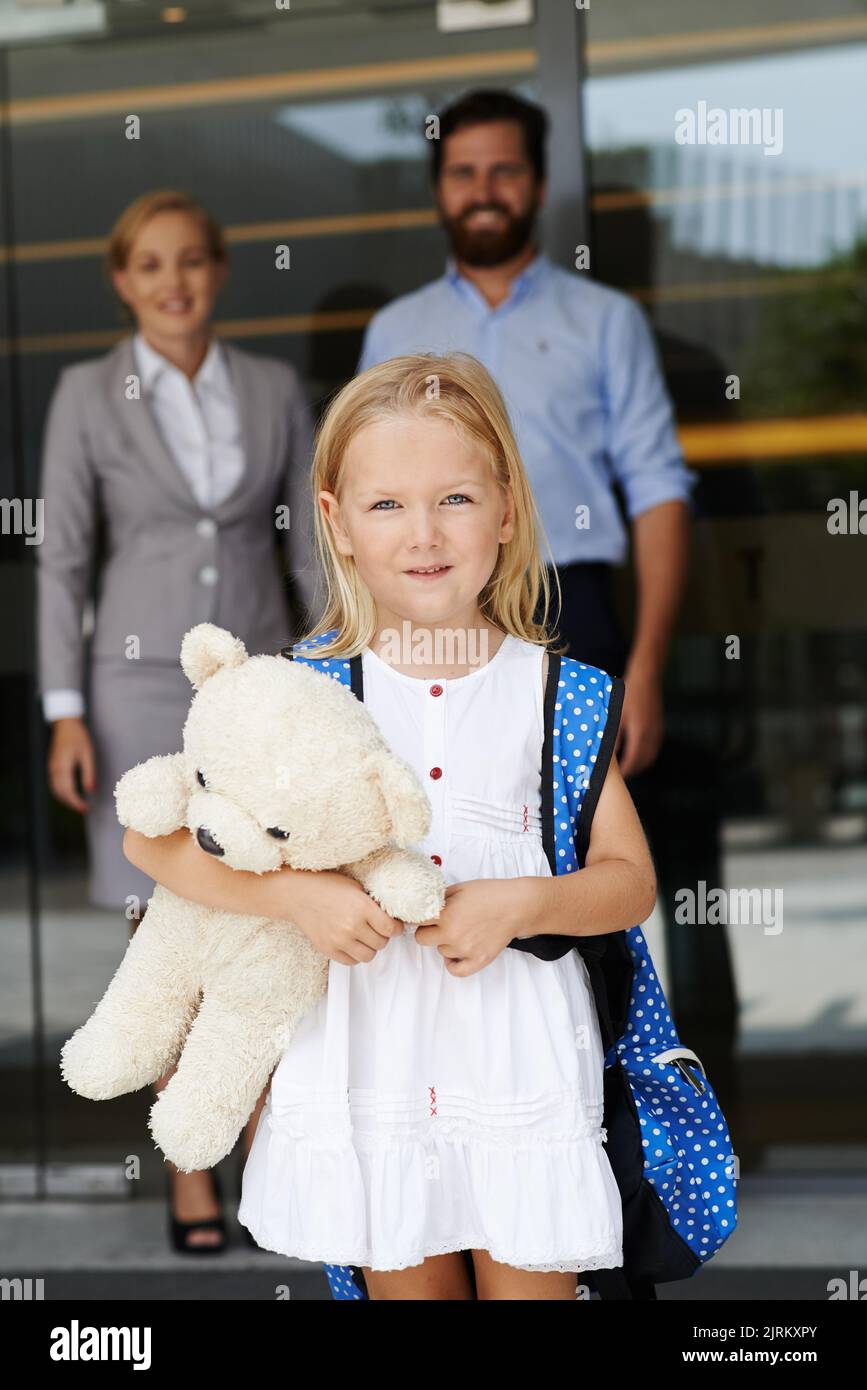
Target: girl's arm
x=615 y=890
x=331 y=908
x=180 y=865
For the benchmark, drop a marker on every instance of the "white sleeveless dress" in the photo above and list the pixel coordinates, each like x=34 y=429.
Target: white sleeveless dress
x=416 y=1112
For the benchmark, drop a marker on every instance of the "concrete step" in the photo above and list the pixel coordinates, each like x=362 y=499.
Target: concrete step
x=795 y=1232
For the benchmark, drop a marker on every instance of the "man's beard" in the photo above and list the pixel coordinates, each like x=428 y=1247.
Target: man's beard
x=487 y=247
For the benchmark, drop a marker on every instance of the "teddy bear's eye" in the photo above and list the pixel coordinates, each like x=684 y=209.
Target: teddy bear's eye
x=278 y=833
x=200 y=778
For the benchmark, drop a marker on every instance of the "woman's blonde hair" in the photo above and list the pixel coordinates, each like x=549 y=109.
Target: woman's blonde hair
x=456 y=388
x=134 y=217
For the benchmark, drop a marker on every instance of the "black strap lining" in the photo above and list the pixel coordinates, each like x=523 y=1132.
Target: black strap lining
x=547 y=759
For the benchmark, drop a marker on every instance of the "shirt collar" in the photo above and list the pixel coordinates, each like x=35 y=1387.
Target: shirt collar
x=521 y=284
x=212 y=374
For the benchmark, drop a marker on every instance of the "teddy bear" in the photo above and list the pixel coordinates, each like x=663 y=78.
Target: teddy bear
x=281 y=765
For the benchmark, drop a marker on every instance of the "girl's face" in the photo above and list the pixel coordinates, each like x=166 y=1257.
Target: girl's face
x=170 y=281
x=416 y=495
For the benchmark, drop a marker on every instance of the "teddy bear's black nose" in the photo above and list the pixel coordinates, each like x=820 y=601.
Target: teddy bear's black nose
x=208 y=843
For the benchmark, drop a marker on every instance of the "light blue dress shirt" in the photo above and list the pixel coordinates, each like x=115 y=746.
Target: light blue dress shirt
x=579 y=371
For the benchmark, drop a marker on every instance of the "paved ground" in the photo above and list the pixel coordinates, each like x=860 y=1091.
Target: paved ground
x=796 y=1231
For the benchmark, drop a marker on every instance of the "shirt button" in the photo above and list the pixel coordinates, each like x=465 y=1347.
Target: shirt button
x=436 y=690
x=436 y=772
x=209 y=574
x=436 y=859
x=207 y=526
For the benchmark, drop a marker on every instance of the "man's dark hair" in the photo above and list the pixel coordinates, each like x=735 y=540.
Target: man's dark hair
x=485 y=105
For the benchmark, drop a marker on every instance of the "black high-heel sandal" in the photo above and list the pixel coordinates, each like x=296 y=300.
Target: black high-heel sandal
x=179 y=1230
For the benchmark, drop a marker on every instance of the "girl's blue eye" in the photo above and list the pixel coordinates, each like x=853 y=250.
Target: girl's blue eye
x=377 y=505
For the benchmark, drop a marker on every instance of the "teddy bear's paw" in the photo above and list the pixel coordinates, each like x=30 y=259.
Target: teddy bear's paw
x=425 y=902
x=152 y=797
x=191 y=1135
x=95 y=1064
x=407 y=885
x=83 y=1068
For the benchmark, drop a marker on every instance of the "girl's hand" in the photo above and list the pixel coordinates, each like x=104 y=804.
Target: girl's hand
x=478 y=920
x=70 y=748
x=337 y=916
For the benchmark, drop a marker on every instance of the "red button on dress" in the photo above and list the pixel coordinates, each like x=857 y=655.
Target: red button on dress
x=436 y=772
x=436 y=690
x=436 y=859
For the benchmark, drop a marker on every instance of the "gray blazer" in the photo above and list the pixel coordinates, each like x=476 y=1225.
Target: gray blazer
x=104 y=453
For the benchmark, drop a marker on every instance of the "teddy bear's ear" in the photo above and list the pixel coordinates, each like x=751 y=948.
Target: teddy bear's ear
x=408 y=807
x=206 y=649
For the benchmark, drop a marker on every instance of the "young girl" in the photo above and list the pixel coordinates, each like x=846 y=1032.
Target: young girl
x=445 y=1096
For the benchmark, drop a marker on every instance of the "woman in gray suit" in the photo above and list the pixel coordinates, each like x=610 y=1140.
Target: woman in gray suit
x=192 y=455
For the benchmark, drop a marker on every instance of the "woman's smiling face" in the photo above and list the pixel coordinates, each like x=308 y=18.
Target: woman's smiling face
x=416 y=495
x=171 y=280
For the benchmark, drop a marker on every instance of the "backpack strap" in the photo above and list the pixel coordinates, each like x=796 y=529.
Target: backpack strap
x=600 y=768
x=548 y=947
x=564 y=735
x=355 y=678
x=547 y=760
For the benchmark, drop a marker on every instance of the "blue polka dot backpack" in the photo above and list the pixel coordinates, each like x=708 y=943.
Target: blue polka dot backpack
x=667 y=1140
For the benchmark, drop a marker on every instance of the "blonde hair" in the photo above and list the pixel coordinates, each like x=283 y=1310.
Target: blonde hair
x=134 y=217
x=456 y=388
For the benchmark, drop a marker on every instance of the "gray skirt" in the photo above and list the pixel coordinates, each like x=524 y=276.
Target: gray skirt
x=135 y=710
